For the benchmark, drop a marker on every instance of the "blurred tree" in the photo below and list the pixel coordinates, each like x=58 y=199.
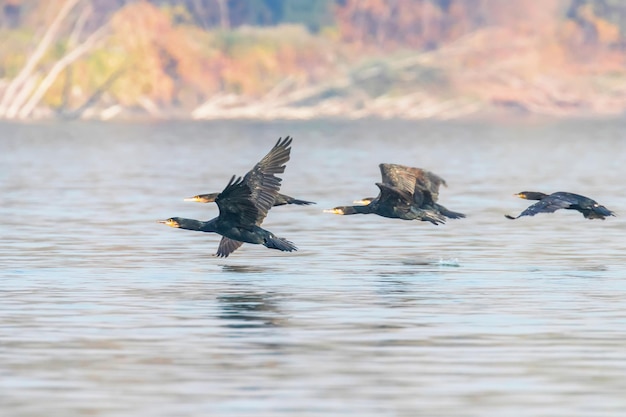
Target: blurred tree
x=601 y=21
x=415 y=23
x=209 y=14
x=11 y=13
x=313 y=14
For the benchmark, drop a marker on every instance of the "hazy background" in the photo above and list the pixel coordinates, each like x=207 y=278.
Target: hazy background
x=302 y=59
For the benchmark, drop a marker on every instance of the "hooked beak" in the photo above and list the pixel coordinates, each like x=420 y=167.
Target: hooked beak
x=333 y=211
x=195 y=198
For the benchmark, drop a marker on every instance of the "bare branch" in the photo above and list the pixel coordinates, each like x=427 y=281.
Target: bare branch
x=56 y=69
x=95 y=96
x=26 y=72
x=79 y=25
x=224 y=20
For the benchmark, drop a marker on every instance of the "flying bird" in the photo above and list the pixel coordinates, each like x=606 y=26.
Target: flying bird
x=549 y=203
x=425 y=182
x=243 y=205
x=405 y=193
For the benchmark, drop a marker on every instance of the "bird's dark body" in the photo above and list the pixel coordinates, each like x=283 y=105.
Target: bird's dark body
x=403 y=213
x=251 y=234
x=549 y=203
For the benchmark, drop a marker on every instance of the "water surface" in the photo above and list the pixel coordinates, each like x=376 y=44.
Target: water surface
x=104 y=312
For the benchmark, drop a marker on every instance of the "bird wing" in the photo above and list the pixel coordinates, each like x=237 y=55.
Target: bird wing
x=430 y=182
x=412 y=179
x=264 y=185
x=421 y=197
x=227 y=246
x=571 y=198
x=398 y=176
x=236 y=204
x=549 y=204
x=394 y=197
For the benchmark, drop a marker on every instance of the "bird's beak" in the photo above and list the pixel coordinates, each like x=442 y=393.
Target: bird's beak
x=333 y=211
x=190 y=199
x=361 y=202
x=169 y=222
x=517 y=195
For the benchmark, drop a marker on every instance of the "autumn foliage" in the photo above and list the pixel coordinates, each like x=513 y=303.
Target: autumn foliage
x=176 y=55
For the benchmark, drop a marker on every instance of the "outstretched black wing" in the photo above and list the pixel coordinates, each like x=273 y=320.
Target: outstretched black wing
x=227 y=246
x=412 y=180
x=549 y=204
x=245 y=202
x=264 y=185
x=236 y=204
x=429 y=182
x=398 y=176
x=394 y=198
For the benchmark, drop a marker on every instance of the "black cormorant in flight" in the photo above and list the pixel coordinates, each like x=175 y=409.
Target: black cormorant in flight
x=562 y=200
x=405 y=193
x=243 y=205
x=426 y=184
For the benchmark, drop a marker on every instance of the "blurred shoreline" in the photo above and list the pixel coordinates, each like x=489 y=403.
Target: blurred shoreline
x=441 y=62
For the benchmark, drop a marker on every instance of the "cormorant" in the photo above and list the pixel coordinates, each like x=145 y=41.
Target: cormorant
x=400 y=197
x=403 y=176
x=589 y=208
x=281 y=199
x=243 y=205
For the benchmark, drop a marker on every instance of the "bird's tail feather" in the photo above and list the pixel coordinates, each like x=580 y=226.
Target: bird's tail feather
x=275 y=242
x=300 y=202
x=449 y=213
x=603 y=211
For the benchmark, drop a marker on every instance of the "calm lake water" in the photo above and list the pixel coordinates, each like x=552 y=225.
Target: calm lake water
x=104 y=312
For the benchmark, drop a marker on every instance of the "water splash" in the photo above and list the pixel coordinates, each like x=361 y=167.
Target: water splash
x=451 y=262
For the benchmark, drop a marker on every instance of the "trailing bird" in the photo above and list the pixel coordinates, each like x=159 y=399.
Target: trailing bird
x=425 y=182
x=549 y=203
x=405 y=193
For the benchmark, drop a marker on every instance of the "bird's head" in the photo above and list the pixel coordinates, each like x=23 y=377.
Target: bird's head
x=336 y=210
x=364 y=201
x=195 y=198
x=202 y=198
x=530 y=195
x=171 y=222
x=345 y=210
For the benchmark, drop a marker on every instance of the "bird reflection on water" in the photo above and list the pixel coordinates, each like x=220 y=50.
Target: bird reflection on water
x=249 y=310
x=245 y=269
